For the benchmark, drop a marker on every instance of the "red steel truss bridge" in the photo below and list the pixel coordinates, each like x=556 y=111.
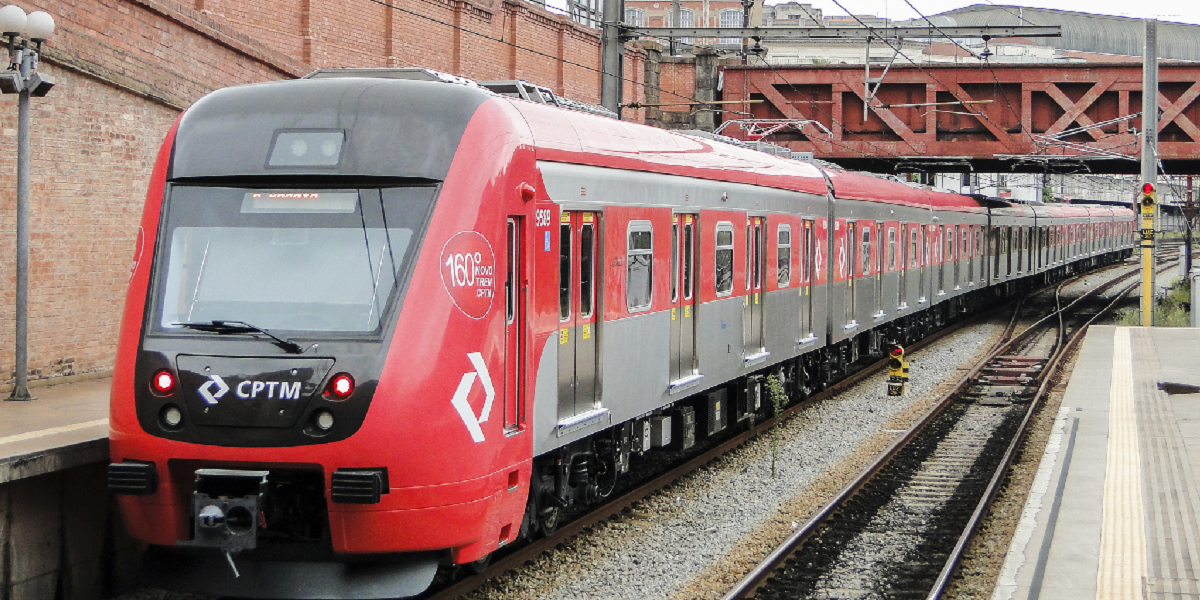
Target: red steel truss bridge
x=1080 y=117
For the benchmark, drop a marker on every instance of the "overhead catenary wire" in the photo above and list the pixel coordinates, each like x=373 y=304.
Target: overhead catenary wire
x=529 y=50
x=899 y=51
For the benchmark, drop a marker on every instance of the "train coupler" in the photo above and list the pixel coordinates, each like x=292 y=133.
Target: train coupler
x=227 y=509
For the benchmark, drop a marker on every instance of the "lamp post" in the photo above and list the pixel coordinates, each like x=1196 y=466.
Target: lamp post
x=25 y=35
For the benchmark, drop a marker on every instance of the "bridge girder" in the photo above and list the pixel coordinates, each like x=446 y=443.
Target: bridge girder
x=1043 y=117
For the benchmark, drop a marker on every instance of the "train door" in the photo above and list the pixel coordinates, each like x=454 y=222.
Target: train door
x=942 y=266
x=752 y=315
x=1006 y=246
x=923 y=262
x=962 y=253
x=683 y=302
x=577 y=382
x=514 y=327
x=851 y=267
x=977 y=263
x=879 y=268
x=807 y=278
x=905 y=253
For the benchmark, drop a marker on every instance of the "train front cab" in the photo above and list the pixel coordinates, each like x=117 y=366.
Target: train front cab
x=366 y=445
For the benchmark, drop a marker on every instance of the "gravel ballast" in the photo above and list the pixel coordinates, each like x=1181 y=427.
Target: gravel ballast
x=697 y=537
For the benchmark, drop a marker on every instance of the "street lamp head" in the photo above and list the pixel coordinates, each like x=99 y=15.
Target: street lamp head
x=39 y=26
x=12 y=20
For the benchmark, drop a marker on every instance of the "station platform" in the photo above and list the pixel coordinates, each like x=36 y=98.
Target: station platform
x=1114 y=511
x=67 y=426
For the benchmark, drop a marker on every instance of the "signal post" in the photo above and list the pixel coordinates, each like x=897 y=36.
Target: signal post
x=897 y=373
x=1146 y=210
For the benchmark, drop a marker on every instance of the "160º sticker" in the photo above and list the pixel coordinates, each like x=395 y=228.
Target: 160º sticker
x=469 y=273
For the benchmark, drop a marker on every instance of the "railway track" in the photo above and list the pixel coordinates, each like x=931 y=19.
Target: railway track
x=520 y=555
x=900 y=529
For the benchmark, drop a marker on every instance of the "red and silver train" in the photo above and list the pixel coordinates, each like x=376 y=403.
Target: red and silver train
x=376 y=325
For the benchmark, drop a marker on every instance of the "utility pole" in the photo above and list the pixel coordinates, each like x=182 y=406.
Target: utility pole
x=612 y=48
x=1149 y=166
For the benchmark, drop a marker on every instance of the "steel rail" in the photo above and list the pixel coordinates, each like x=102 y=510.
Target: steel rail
x=1051 y=368
x=750 y=583
x=613 y=508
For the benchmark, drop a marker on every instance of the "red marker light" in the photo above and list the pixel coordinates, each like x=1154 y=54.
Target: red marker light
x=341 y=386
x=163 y=382
x=1147 y=188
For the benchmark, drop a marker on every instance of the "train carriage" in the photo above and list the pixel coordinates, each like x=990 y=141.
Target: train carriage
x=377 y=325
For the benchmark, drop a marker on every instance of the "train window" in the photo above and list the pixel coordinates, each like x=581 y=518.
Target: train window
x=866 y=248
x=675 y=260
x=564 y=267
x=639 y=268
x=688 y=244
x=758 y=254
x=510 y=288
x=891 y=249
x=724 y=259
x=749 y=251
x=587 y=248
x=253 y=255
x=784 y=270
x=914 y=249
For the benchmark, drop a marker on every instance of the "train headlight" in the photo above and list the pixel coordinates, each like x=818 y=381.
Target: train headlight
x=163 y=383
x=324 y=420
x=340 y=387
x=171 y=416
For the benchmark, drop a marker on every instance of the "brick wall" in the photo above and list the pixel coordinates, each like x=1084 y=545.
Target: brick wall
x=126 y=68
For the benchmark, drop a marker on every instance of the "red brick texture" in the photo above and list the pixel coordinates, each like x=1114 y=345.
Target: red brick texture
x=126 y=68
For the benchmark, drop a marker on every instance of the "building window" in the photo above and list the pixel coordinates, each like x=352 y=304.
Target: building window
x=731 y=18
x=639 y=261
x=687 y=18
x=724 y=266
x=634 y=17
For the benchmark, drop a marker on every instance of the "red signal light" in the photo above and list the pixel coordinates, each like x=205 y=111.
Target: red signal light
x=163 y=382
x=897 y=351
x=341 y=386
x=1147 y=188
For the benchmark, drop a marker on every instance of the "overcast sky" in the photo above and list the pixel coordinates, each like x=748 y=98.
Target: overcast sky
x=1181 y=11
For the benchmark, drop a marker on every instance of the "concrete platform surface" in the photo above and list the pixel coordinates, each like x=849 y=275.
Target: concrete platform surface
x=66 y=426
x=1114 y=511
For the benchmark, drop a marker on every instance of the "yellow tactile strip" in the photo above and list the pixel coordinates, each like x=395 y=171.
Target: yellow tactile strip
x=1123 y=537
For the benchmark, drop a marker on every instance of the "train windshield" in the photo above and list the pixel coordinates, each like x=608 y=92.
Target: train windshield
x=288 y=260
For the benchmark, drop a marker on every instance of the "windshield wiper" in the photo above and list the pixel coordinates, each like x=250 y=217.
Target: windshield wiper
x=228 y=327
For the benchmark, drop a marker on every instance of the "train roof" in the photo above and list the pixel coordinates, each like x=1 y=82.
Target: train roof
x=850 y=185
x=581 y=138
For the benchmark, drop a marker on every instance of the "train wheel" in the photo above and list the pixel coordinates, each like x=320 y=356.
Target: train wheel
x=479 y=566
x=547 y=520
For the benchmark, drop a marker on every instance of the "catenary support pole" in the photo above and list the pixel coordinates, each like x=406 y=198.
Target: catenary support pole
x=1189 y=213
x=1149 y=162
x=612 y=49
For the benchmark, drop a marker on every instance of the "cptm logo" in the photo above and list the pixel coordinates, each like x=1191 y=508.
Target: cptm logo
x=465 y=384
x=250 y=389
